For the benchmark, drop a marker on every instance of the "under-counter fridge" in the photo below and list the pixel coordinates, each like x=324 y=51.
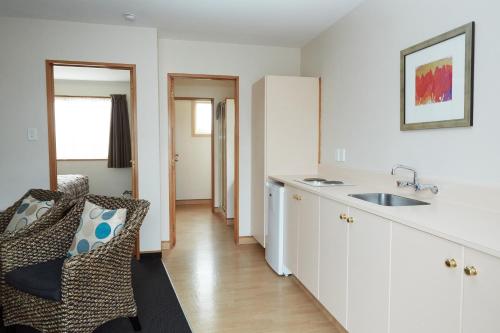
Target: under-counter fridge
x=275 y=228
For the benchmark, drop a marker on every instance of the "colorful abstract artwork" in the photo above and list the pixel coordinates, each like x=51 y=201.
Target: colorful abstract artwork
x=437 y=81
x=434 y=82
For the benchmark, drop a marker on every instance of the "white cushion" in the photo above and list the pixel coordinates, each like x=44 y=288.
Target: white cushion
x=29 y=211
x=97 y=227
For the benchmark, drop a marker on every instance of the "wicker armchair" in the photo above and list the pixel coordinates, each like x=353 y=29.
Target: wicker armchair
x=96 y=287
x=60 y=208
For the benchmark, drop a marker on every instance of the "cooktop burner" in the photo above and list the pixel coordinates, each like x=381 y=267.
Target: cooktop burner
x=321 y=182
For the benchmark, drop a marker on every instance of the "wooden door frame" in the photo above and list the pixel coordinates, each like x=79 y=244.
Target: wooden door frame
x=171 y=148
x=49 y=73
x=212 y=162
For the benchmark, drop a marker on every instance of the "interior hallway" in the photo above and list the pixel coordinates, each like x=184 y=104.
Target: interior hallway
x=225 y=288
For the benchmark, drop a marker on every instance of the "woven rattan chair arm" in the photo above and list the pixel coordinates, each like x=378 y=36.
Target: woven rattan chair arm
x=50 y=243
x=56 y=213
x=40 y=194
x=6 y=215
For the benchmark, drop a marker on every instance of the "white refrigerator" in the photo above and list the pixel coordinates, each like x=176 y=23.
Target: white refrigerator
x=274 y=238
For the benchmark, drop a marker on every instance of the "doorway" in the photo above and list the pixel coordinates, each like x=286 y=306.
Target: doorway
x=92 y=117
x=219 y=199
x=194 y=150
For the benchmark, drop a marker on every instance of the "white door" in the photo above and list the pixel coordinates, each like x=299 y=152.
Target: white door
x=333 y=233
x=308 y=229
x=481 y=306
x=369 y=273
x=193 y=168
x=425 y=283
x=291 y=222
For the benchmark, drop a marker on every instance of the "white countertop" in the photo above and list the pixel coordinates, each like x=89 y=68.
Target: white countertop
x=472 y=227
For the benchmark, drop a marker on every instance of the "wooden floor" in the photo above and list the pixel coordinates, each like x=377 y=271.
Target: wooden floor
x=227 y=288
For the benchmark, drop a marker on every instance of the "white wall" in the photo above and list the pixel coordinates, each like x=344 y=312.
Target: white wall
x=25 y=44
x=193 y=170
x=219 y=90
x=358 y=60
x=250 y=63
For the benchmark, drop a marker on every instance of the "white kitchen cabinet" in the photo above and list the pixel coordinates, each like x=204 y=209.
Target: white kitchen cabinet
x=369 y=273
x=333 y=259
x=290 y=239
x=308 y=238
x=426 y=279
x=285 y=136
x=302 y=236
x=481 y=298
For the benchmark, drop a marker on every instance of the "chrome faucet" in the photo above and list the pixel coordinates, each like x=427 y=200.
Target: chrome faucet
x=415 y=184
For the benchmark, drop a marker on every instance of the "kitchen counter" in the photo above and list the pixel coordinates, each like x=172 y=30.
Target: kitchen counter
x=473 y=227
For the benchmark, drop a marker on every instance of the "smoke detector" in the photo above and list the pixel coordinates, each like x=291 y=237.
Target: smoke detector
x=130 y=17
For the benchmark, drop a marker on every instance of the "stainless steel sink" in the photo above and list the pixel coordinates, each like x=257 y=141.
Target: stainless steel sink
x=387 y=199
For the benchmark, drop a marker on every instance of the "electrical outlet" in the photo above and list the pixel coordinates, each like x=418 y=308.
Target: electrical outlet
x=32 y=134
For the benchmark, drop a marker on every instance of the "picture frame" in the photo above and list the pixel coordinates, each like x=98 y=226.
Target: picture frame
x=436 y=87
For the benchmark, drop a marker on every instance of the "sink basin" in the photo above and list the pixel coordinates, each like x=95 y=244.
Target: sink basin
x=387 y=199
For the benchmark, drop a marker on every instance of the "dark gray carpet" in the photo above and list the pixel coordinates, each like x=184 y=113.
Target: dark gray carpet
x=159 y=309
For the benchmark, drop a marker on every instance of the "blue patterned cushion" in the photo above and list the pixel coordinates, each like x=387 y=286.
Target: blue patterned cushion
x=29 y=211
x=97 y=227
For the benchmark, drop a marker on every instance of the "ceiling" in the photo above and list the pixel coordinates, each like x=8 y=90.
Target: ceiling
x=90 y=74
x=290 y=23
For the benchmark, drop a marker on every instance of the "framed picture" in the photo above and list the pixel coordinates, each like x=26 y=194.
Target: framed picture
x=437 y=81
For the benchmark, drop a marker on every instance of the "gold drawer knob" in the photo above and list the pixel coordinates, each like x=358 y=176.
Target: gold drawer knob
x=350 y=219
x=297 y=197
x=343 y=216
x=470 y=271
x=451 y=263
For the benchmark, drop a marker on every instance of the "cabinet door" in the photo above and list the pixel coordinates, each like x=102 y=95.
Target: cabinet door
x=290 y=232
x=333 y=259
x=308 y=240
x=425 y=293
x=369 y=273
x=481 y=306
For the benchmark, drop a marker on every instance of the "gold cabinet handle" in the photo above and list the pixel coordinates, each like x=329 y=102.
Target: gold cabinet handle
x=343 y=216
x=297 y=197
x=451 y=263
x=470 y=270
x=350 y=219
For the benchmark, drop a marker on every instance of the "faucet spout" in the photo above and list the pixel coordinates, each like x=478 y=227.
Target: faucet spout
x=415 y=184
x=401 y=166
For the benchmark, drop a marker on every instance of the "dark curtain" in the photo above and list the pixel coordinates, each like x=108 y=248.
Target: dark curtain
x=119 y=135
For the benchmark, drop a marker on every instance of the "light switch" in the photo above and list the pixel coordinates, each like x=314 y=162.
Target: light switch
x=340 y=155
x=32 y=134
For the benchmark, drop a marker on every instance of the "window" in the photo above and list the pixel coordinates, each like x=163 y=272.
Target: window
x=202 y=118
x=82 y=127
